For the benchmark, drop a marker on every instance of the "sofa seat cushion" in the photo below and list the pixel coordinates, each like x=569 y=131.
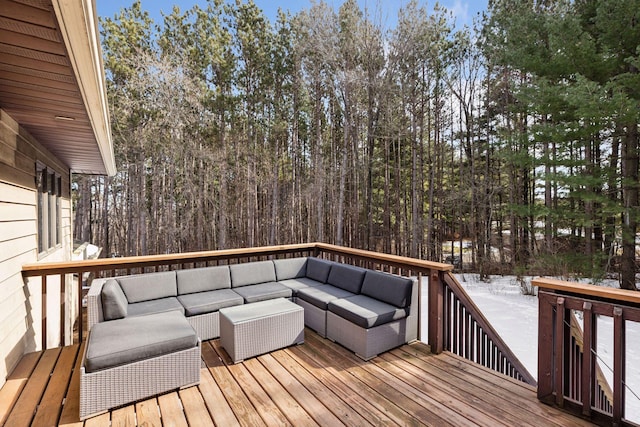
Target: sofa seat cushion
x=208 y=302
x=154 y=306
x=394 y=290
x=300 y=283
x=263 y=291
x=320 y=296
x=128 y=340
x=365 y=311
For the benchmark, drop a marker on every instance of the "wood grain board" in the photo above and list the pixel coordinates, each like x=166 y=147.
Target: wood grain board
x=316 y=383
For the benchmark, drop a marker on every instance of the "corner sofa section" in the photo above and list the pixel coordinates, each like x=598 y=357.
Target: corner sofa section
x=364 y=310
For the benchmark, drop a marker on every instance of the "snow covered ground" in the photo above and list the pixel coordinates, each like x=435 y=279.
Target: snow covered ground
x=515 y=318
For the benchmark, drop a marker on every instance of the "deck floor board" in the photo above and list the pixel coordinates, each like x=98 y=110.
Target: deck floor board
x=316 y=383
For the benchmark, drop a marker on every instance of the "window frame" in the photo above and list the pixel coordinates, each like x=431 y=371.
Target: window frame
x=49 y=209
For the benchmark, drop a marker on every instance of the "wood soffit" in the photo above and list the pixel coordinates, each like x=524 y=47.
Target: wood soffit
x=44 y=51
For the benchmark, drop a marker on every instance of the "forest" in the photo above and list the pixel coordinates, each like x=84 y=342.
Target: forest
x=517 y=136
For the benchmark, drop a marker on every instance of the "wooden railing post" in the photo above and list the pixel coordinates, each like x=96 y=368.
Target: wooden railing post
x=588 y=362
x=43 y=284
x=545 y=346
x=619 y=351
x=436 y=312
x=559 y=351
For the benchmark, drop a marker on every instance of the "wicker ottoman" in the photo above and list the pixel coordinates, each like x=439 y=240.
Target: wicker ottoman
x=260 y=327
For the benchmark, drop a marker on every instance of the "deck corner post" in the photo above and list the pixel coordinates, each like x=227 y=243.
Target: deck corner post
x=436 y=312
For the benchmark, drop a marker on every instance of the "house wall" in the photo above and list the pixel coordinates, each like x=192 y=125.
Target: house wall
x=20 y=302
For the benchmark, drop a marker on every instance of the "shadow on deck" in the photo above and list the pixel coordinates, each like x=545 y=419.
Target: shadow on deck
x=317 y=383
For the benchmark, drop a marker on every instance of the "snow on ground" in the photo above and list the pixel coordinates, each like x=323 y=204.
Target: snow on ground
x=515 y=317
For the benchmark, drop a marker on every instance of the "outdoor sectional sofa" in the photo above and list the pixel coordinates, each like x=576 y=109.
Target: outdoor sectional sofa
x=367 y=311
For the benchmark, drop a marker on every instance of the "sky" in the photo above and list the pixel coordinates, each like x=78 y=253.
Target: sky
x=462 y=10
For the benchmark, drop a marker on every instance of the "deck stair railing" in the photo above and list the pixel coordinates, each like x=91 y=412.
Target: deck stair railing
x=466 y=332
x=569 y=371
x=454 y=322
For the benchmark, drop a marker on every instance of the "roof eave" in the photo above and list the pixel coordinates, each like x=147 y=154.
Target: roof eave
x=79 y=28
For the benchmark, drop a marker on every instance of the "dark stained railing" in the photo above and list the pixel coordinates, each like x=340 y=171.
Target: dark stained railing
x=451 y=313
x=465 y=331
x=569 y=373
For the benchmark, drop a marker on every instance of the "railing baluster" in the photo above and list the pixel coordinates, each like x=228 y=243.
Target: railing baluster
x=63 y=310
x=80 y=292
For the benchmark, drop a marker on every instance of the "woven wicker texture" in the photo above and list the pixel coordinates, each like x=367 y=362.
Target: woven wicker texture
x=120 y=385
x=94 y=303
x=207 y=326
x=262 y=334
x=314 y=317
x=366 y=343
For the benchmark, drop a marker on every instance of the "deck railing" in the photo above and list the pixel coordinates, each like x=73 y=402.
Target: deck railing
x=569 y=367
x=454 y=322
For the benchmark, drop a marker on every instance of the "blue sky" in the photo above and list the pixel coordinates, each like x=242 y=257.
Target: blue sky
x=464 y=11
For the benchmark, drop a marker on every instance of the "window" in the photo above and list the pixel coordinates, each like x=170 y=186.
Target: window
x=49 y=187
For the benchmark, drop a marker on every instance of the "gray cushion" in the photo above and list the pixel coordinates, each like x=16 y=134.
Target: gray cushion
x=132 y=339
x=346 y=277
x=208 y=302
x=263 y=291
x=388 y=288
x=290 y=268
x=365 y=311
x=161 y=305
x=143 y=287
x=320 y=296
x=246 y=312
x=318 y=269
x=203 y=279
x=252 y=273
x=114 y=303
x=299 y=283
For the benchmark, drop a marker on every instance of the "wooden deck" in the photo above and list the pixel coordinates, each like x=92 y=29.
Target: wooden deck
x=317 y=383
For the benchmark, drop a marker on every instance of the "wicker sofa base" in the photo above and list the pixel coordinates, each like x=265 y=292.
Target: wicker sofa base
x=314 y=318
x=109 y=388
x=207 y=326
x=368 y=343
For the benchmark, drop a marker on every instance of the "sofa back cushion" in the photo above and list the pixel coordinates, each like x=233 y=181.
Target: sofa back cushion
x=203 y=279
x=291 y=268
x=252 y=273
x=114 y=303
x=385 y=287
x=318 y=269
x=346 y=277
x=144 y=287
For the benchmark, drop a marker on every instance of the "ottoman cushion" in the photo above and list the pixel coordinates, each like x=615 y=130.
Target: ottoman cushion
x=123 y=341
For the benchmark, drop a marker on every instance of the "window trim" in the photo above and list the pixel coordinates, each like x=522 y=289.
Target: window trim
x=49 y=209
